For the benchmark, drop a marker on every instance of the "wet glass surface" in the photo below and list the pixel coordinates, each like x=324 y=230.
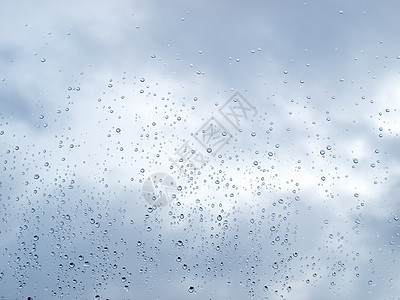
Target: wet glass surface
x=199 y=150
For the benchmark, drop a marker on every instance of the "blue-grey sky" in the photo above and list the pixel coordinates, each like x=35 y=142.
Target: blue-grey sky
x=301 y=203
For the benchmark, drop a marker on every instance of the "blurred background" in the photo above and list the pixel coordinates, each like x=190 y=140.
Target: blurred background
x=300 y=202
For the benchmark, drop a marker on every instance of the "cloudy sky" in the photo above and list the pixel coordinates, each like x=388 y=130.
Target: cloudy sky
x=300 y=203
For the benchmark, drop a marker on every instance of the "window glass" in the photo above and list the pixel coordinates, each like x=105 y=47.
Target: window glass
x=199 y=150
